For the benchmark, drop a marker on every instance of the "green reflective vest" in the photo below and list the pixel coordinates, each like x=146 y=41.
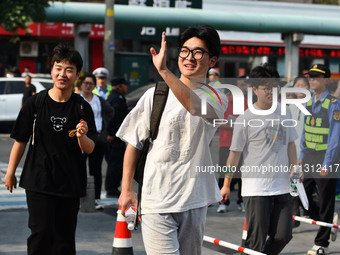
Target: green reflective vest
x=108 y=92
x=317 y=126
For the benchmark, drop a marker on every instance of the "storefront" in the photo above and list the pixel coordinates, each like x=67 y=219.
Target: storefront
x=238 y=59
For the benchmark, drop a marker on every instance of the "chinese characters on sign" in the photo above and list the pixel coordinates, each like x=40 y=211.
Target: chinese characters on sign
x=248 y=50
x=170 y=31
x=168 y=3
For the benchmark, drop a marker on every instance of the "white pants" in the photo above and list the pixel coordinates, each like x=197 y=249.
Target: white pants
x=174 y=233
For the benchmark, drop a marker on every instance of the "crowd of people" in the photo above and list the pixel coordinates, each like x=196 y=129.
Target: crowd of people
x=109 y=106
x=64 y=130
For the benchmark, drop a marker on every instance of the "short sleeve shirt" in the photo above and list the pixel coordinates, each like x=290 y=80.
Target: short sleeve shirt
x=171 y=180
x=264 y=140
x=54 y=164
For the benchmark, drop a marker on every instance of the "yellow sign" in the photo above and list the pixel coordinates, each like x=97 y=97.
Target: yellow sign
x=109 y=12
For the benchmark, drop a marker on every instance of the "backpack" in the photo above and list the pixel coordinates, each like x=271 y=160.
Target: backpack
x=160 y=97
x=159 y=100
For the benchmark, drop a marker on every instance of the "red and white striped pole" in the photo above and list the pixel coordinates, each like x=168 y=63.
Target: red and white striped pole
x=244 y=233
x=231 y=246
x=315 y=222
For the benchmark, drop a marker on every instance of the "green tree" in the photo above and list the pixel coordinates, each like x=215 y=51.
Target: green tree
x=15 y=14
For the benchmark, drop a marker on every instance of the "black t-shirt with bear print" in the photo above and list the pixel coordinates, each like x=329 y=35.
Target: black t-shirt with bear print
x=54 y=164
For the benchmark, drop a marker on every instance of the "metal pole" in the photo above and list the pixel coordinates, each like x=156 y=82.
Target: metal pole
x=81 y=43
x=109 y=43
x=128 y=15
x=292 y=54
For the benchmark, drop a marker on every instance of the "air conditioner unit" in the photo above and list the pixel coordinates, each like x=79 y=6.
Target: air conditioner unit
x=28 y=49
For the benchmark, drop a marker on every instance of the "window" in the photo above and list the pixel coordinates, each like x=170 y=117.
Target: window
x=47 y=85
x=14 y=87
x=2 y=87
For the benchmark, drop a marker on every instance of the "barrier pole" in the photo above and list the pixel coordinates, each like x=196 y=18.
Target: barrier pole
x=231 y=246
x=314 y=222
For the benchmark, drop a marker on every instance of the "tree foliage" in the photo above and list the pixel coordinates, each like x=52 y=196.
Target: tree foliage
x=15 y=14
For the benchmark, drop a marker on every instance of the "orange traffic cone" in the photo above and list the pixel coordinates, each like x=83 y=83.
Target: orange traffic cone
x=122 y=242
x=244 y=233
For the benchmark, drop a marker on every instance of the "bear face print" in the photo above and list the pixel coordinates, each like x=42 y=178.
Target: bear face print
x=58 y=123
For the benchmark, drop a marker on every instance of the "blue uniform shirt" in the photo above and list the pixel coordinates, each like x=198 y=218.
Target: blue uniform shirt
x=333 y=134
x=102 y=92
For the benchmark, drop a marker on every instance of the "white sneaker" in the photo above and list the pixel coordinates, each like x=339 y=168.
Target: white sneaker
x=98 y=204
x=317 y=249
x=241 y=207
x=334 y=231
x=222 y=208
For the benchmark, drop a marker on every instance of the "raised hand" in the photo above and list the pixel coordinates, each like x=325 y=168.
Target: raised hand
x=159 y=60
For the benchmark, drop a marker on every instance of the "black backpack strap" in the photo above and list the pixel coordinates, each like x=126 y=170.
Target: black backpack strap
x=80 y=106
x=39 y=101
x=159 y=100
x=38 y=105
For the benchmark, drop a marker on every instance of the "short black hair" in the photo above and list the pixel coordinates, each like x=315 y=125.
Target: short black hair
x=264 y=74
x=244 y=78
x=63 y=52
x=90 y=75
x=207 y=34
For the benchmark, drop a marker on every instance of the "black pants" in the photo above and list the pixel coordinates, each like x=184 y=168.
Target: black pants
x=268 y=215
x=53 y=222
x=114 y=158
x=296 y=210
x=326 y=187
x=95 y=163
x=223 y=156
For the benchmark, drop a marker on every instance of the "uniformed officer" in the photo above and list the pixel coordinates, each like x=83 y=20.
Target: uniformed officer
x=115 y=154
x=319 y=152
x=102 y=89
x=214 y=77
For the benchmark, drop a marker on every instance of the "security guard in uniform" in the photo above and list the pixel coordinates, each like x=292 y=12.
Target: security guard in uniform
x=102 y=89
x=213 y=76
x=319 y=153
x=115 y=154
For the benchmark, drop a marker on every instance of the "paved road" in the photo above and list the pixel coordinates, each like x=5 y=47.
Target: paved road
x=96 y=230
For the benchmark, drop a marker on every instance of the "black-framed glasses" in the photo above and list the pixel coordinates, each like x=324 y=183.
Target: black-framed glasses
x=86 y=83
x=269 y=89
x=197 y=53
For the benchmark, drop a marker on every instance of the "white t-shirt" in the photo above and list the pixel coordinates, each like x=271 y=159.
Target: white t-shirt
x=97 y=111
x=170 y=181
x=264 y=141
x=24 y=74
